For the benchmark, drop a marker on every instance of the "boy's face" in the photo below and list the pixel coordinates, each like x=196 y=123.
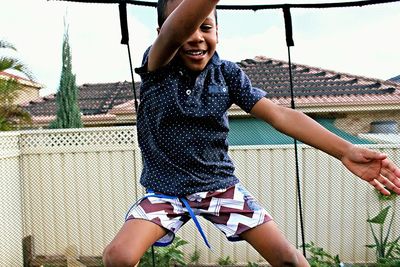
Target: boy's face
x=200 y=47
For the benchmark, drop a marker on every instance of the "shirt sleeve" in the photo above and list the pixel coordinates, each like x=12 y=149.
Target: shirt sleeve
x=143 y=68
x=241 y=91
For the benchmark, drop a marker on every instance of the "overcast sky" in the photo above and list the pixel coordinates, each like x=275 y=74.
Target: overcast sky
x=361 y=40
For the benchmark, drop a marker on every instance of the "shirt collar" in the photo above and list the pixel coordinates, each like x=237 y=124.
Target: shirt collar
x=215 y=59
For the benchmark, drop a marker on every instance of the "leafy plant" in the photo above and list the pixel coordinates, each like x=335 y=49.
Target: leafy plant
x=68 y=112
x=12 y=116
x=224 y=261
x=321 y=258
x=194 y=258
x=383 y=197
x=165 y=256
x=396 y=250
x=388 y=262
x=252 y=264
x=386 y=251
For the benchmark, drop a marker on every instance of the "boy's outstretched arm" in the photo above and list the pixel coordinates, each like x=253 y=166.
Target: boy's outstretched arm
x=369 y=165
x=183 y=19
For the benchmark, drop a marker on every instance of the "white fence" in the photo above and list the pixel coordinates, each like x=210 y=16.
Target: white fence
x=10 y=205
x=72 y=188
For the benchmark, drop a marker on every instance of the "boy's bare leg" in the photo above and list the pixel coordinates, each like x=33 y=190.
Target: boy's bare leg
x=131 y=242
x=268 y=240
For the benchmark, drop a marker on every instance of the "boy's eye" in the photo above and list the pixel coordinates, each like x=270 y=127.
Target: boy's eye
x=206 y=27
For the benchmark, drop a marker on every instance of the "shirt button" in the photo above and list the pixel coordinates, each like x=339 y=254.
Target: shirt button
x=188 y=92
x=224 y=89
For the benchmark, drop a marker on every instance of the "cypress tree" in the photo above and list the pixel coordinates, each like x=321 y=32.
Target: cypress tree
x=68 y=112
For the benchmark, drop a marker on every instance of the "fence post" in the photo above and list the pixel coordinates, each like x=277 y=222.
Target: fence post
x=11 y=205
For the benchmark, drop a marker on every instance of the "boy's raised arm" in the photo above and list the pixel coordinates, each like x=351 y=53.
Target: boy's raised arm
x=183 y=19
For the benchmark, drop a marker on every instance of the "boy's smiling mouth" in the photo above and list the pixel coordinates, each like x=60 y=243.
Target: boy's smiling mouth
x=195 y=52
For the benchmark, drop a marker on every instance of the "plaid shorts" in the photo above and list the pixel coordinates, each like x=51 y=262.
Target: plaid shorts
x=232 y=210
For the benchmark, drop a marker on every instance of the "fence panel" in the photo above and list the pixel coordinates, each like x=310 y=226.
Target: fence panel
x=78 y=184
x=337 y=205
x=10 y=199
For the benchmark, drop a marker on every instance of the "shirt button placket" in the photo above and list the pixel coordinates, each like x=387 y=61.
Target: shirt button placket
x=198 y=84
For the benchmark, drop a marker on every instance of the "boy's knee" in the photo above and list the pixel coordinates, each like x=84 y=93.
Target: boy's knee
x=292 y=258
x=114 y=255
x=288 y=261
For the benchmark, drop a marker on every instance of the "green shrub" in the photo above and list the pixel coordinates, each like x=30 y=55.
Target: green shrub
x=224 y=261
x=320 y=258
x=165 y=256
x=387 y=252
x=194 y=258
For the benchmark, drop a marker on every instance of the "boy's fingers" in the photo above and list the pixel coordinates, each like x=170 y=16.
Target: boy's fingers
x=391 y=171
x=389 y=184
x=387 y=179
x=391 y=175
x=378 y=186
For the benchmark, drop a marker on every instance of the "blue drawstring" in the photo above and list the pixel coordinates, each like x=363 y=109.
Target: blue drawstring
x=196 y=222
x=150 y=193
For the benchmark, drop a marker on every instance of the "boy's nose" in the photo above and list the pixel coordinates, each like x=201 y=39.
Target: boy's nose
x=197 y=37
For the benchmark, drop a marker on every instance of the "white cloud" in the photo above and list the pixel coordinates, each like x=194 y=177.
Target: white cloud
x=270 y=43
x=98 y=55
x=368 y=47
x=359 y=41
x=36 y=28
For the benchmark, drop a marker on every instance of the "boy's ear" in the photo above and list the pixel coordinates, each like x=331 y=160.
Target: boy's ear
x=216 y=32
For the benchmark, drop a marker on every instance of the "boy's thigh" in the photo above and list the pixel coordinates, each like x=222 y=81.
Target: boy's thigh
x=270 y=242
x=164 y=211
x=135 y=237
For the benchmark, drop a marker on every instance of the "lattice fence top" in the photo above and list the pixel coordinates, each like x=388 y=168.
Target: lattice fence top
x=80 y=138
x=9 y=141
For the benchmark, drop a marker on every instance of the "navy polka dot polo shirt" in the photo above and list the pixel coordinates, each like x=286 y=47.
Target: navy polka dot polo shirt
x=182 y=125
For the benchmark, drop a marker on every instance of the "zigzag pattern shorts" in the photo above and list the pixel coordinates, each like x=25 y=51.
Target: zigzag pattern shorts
x=232 y=210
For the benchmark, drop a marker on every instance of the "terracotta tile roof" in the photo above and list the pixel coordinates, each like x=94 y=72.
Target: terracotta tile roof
x=395 y=79
x=93 y=99
x=20 y=79
x=313 y=87
x=125 y=108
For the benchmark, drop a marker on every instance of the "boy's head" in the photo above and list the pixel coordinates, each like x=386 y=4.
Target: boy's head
x=197 y=51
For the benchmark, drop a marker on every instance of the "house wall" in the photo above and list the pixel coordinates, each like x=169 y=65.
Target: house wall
x=28 y=94
x=77 y=185
x=30 y=89
x=359 y=122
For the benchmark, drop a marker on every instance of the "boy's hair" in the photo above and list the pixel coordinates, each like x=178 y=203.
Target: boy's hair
x=162 y=6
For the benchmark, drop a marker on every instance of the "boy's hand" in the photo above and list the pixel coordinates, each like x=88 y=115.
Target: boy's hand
x=373 y=167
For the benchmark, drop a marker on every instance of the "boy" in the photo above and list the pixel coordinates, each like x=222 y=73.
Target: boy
x=182 y=128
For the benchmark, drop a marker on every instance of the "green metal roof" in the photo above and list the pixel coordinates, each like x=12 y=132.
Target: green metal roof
x=251 y=131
